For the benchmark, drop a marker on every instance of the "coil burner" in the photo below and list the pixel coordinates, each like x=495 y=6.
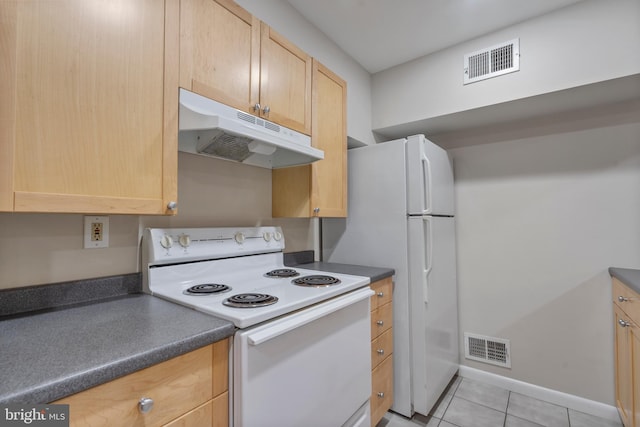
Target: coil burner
x=316 y=281
x=282 y=272
x=207 y=289
x=250 y=300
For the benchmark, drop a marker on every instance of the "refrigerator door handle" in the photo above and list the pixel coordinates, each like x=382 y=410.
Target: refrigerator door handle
x=428 y=254
x=426 y=184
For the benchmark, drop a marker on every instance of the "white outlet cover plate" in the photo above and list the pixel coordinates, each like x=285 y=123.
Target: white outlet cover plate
x=104 y=243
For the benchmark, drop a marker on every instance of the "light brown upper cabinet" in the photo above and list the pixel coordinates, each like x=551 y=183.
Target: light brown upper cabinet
x=228 y=55
x=86 y=124
x=318 y=189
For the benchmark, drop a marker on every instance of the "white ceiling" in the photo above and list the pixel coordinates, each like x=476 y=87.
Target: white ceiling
x=382 y=33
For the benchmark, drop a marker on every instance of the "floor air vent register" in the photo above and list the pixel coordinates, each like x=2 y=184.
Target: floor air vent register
x=495 y=351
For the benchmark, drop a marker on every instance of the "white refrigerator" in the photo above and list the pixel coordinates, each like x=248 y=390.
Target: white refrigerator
x=401 y=215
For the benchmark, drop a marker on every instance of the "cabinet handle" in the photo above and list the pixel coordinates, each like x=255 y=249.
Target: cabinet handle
x=380 y=394
x=380 y=323
x=316 y=210
x=380 y=294
x=145 y=405
x=256 y=108
x=623 y=323
x=172 y=205
x=380 y=351
x=266 y=110
x=623 y=299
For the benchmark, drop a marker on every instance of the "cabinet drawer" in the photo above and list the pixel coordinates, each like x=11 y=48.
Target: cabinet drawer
x=630 y=303
x=214 y=413
x=176 y=386
x=382 y=389
x=381 y=320
x=381 y=347
x=383 y=289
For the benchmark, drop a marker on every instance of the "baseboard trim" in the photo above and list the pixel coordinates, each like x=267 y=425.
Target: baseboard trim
x=571 y=401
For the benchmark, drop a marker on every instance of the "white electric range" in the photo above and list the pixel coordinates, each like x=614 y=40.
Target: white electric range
x=303 y=343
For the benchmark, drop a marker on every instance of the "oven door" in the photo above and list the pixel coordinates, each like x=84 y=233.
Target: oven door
x=309 y=368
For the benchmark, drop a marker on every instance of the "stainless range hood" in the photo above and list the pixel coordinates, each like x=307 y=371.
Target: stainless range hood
x=210 y=128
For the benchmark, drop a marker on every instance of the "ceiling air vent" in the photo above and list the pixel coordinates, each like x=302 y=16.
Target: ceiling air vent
x=480 y=348
x=491 y=62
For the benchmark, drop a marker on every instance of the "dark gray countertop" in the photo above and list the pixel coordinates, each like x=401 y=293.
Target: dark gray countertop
x=47 y=355
x=374 y=273
x=629 y=277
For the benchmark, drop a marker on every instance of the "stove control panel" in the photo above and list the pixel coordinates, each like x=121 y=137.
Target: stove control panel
x=172 y=245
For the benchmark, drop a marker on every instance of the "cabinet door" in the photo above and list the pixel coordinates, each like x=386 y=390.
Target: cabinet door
x=8 y=14
x=285 y=82
x=624 y=367
x=220 y=52
x=319 y=189
x=329 y=176
x=94 y=131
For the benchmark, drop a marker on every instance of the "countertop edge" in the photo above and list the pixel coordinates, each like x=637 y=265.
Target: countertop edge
x=628 y=276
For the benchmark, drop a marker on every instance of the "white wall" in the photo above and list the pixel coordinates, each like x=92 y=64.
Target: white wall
x=591 y=41
x=539 y=221
x=47 y=248
x=281 y=16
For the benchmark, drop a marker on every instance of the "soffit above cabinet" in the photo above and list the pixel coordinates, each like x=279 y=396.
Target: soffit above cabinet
x=593 y=104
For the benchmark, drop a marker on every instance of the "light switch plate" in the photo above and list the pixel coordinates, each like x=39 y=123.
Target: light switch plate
x=96 y=232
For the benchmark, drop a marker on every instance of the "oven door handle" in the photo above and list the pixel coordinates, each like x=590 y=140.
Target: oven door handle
x=299 y=319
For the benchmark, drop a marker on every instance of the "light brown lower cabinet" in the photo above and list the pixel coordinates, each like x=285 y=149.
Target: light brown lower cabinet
x=188 y=390
x=381 y=349
x=626 y=308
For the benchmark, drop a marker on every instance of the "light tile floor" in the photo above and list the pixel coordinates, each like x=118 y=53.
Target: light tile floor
x=468 y=403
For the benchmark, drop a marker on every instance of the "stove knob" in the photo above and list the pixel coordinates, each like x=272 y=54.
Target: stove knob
x=166 y=241
x=266 y=236
x=239 y=237
x=277 y=235
x=184 y=240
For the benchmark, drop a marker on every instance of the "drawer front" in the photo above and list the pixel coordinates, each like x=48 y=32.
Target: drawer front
x=214 y=413
x=383 y=292
x=626 y=299
x=202 y=416
x=176 y=387
x=381 y=347
x=381 y=320
x=382 y=389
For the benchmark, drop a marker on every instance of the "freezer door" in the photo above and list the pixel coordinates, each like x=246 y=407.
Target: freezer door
x=429 y=178
x=434 y=308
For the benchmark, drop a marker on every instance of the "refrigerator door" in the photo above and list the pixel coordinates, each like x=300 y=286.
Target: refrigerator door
x=429 y=178
x=434 y=309
x=375 y=234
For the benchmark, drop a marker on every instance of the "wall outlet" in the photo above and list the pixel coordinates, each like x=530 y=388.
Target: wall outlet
x=96 y=232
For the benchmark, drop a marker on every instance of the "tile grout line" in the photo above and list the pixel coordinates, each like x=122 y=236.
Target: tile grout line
x=453 y=394
x=506 y=410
